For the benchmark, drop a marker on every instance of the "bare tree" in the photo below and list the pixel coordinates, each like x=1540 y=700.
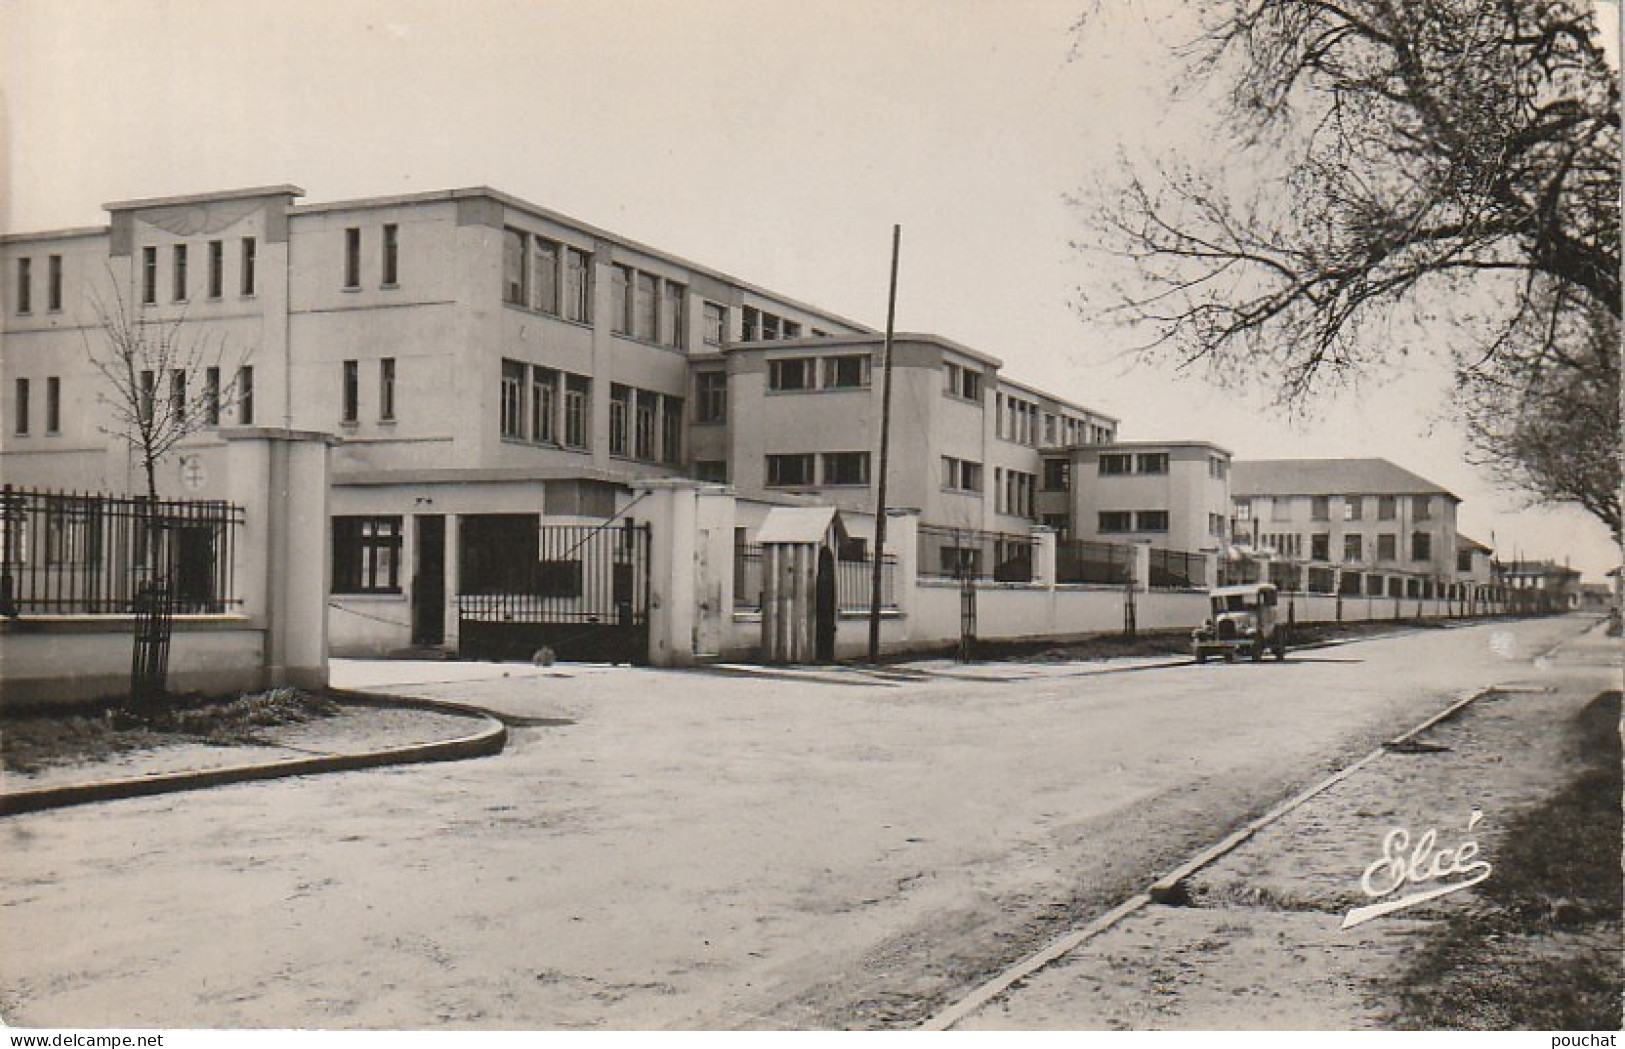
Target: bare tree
x=1397 y=171
x=165 y=380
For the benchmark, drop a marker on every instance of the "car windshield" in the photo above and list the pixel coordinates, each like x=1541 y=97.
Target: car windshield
x=1235 y=603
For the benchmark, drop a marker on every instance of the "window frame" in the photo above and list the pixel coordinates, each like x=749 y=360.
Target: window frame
x=386 y=389
x=389 y=256
x=774 y=470
x=360 y=542
x=350 y=393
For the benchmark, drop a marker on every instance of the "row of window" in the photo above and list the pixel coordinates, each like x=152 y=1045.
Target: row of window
x=647 y=307
x=546 y=276
x=961 y=475
x=53 y=284
x=1116 y=521
x=645 y=425
x=180 y=401
x=350 y=410
x=389 y=257
x=215 y=273
x=827 y=469
x=544 y=405
x=1015 y=492
x=1353 y=507
x=1356 y=548
x=962 y=382
x=758 y=325
x=795 y=374
x=1117 y=464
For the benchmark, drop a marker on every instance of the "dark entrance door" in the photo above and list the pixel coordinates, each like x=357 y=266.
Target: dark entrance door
x=194 y=568
x=824 y=608
x=429 y=581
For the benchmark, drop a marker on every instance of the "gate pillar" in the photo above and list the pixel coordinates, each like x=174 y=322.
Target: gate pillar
x=670 y=507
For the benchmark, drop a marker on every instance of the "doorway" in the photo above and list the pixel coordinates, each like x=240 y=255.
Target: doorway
x=429 y=581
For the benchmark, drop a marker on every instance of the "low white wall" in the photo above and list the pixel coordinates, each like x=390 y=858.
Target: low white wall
x=368 y=625
x=83 y=661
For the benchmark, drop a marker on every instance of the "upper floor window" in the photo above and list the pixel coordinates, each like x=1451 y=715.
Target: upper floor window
x=848 y=468
x=961 y=475
x=1057 y=475
x=577 y=286
x=352 y=257
x=386 y=389
x=1387 y=547
x=248 y=260
x=19 y=408
x=1243 y=510
x=1387 y=507
x=211 y=395
x=547 y=275
x=245 y=395
x=351 y=408
x=1422 y=508
x=53 y=404
x=1218 y=467
x=643 y=433
x=1280 y=508
x=25 y=285
x=514 y=271
x=785 y=470
x=511 y=416
x=620 y=406
x=179 y=258
x=963 y=382
x=1421 y=546
x=577 y=396
x=1353 y=548
x=710 y=397
x=53 y=282
x=149 y=275
x=1116 y=521
x=621 y=299
x=1215 y=525
x=716 y=324
x=671 y=429
x=1320 y=508
x=646 y=307
x=1151 y=521
x=791 y=373
x=389 y=261
x=673 y=317
x=1152 y=462
x=1113 y=464
x=1320 y=547
x=1353 y=508
x=847 y=371
x=217 y=268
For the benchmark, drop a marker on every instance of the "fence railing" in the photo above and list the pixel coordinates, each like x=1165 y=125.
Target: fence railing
x=1088 y=561
x=966 y=553
x=1176 y=570
x=71 y=553
x=854 y=580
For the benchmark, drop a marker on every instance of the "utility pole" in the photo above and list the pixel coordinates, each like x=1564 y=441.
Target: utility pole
x=885 y=447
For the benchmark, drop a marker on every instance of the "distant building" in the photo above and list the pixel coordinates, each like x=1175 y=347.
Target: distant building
x=1474 y=561
x=1170 y=494
x=1540 y=586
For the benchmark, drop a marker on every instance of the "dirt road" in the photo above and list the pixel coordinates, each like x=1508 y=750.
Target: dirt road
x=692 y=850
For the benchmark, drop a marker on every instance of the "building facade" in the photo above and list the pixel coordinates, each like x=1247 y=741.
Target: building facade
x=1169 y=494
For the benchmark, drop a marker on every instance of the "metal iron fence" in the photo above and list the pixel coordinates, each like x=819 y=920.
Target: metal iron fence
x=1087 y=561
x=967 y=553
x=72 y=553
x=854 y=579
x=1177 y=570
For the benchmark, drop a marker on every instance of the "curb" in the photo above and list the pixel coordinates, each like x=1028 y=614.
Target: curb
x=488 y=741
x=1169 y=888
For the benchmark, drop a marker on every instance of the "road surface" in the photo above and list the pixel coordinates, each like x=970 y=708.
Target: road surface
x=693 y=850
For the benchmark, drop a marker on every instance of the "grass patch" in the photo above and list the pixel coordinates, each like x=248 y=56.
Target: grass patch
x=1543 y=952
x=29 y=743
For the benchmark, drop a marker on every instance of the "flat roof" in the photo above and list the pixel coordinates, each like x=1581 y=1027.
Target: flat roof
x=284 y=190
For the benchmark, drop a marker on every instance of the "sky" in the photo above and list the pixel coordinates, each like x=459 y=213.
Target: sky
x=777 y=141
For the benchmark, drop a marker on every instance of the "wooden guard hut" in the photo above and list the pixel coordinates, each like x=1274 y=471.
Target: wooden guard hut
x=799 y=599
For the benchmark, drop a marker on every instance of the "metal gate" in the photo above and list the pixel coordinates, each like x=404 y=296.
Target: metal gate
x=585 y=597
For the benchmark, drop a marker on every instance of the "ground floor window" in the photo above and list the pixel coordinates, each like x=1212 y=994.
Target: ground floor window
x=366 y=555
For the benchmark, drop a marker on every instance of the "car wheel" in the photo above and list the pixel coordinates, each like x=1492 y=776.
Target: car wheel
x=1257 y=652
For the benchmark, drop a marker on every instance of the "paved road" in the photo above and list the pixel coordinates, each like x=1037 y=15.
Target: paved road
x=692 y=850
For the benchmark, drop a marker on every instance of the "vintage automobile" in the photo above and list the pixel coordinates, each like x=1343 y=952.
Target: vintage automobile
x=1244 y=619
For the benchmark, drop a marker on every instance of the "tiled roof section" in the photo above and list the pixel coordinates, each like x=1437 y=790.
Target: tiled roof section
x=1328 y=477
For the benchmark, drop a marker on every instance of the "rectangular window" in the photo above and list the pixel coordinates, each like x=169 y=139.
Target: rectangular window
x=546 y=257
x=147 y=395
x=1387 y=547
x=177 y=394
x=1151 y=521
x=716 y=324
x=846 y=468
x=544 y=385
x=366 y=555
x=1215 y=525
x=785 y=470
x=1320 y=547
x=179 y=258
x=512 y=408
x=1218 y=467
x=53 y=282
x=19 y=408
x=1243 y=511
x=352 y=257
x=351 y=402
x=386 y=389
x=1421 y=546
x=1116 y=521
x=1353 y=508
x=577 y=390
x=149 y=275
x=211 y=395
x=672 y=320
x=1057 y=475
x=770 y=326
x=389 y=260
x=620 y=406
x=793 y=373
x=646 y=315
x=713 y=470
x=216 y=268
x=245 y=395
x=750 y=324
x=849 y=372
x=620 y=288
x=513 y=267
x=53 y=405
x=1353 y=549
x=577 y=286
x=961 y=475
x=970 y=385
x=1320 y=508
x=1152 y=463
x=25 y=285
x=1387 y=507
x=1115 y=464
x=1422 y=507
x=643 y=432
x=249 y=256
x=671 y=430
x=792 y=329
x=710 y=397
x=1280 y=508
